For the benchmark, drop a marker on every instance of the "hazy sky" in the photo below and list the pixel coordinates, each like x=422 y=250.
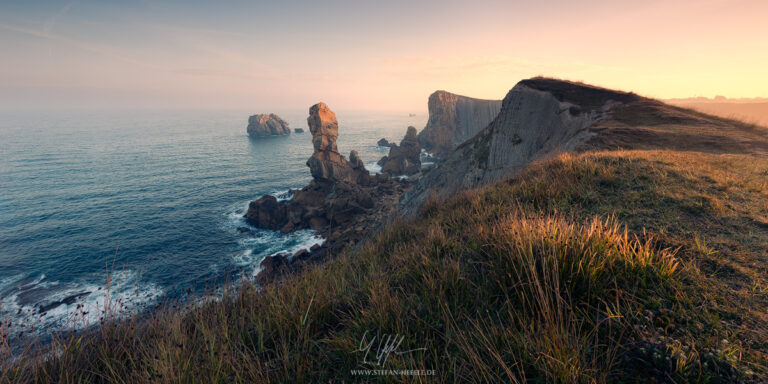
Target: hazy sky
x=369 y=54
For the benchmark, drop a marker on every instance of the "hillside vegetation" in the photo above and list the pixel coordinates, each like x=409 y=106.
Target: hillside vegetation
x=623 y=266
x=638 y=256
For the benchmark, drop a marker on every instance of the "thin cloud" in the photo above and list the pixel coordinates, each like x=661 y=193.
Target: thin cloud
x=76 y=43
x=51 y=22
x=186 y=71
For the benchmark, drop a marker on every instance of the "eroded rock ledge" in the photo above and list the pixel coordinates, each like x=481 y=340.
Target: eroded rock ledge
x=343 y=202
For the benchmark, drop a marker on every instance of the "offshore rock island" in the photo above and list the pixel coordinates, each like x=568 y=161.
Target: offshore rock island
x=267 y=125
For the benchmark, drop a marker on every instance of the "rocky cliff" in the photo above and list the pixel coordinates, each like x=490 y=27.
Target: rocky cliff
x=537 y=119
x=453 y=119
x=267 y=125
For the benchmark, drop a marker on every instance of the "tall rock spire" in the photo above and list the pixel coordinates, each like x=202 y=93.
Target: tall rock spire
x=326 y=163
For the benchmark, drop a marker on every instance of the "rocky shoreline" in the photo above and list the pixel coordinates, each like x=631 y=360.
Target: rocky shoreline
x=342 y=203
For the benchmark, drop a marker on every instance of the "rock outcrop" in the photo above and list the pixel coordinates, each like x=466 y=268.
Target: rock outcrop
x=403 y=159
x=343 y=202
x=383 y=142
x=298 y=130
x=538 y=118
x=267 y=213
x=267 y=125
x=453 y=119
x=326 y=163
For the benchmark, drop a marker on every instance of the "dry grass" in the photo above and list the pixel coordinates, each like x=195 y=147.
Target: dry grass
x=650 y=124
x=609 y=267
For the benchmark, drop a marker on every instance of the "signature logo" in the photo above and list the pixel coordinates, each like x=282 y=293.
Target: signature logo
x=377 y=350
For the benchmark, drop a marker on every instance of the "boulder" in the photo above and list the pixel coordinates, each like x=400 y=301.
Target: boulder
x=273 y=267
x=267 y=212
x=383 y=143
x=298 y=130
x=267 y=125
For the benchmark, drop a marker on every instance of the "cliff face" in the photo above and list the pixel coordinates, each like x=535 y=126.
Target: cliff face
x=453 y=119
x=532 y=124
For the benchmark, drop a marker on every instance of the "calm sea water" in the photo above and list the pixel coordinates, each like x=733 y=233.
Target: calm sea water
x=154 y=196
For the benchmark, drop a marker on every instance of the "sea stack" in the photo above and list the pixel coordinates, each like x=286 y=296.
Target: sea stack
x=326 y=163
x=267 y=125
x=454 y=119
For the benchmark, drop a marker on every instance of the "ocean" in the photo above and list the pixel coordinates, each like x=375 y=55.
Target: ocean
x=153 y=199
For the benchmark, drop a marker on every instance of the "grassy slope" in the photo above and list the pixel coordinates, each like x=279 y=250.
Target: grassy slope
x=534 y=279
x=750 y=111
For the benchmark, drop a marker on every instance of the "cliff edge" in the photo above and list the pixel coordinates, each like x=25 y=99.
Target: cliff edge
x=541 y=117
x=453 y=119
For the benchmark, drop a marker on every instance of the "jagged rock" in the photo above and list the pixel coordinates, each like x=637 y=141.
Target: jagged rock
x=272 y=268
x=266 y=212
x=355 y=162
x=329 y=166
x=298 y=130
x=244 y=230
x=403 y=159
x=69 y=300
x=300 y=254
x=383 y=143
x=267 y=125
x=454 y=119
x=346 y=201
x=362 y=176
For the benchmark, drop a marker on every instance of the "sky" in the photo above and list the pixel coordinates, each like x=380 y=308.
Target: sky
x=369 y=55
